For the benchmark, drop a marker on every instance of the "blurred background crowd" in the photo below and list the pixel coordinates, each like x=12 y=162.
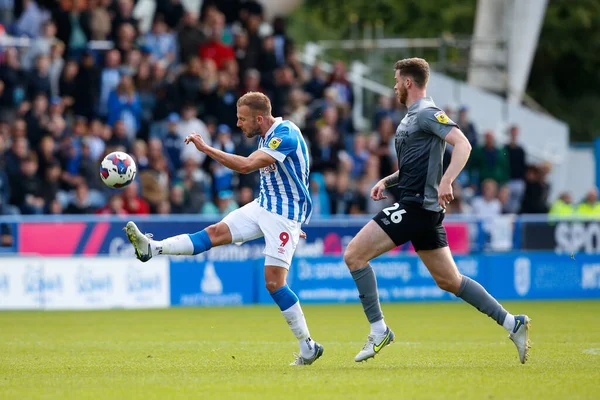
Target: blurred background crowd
x=64 y=105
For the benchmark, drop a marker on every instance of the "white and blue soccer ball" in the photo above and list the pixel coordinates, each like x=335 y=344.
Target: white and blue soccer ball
x=117 y=170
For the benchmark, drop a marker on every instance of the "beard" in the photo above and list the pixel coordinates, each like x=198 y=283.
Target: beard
x=402 y=95
x=253 y=132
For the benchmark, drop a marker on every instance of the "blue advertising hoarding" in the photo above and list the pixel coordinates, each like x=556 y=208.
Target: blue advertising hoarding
x=542 y=276
x=212 y=283
x=513 y=276
x=400 y=278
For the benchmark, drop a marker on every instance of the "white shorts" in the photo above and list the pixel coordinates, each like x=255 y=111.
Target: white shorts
x=281 y=234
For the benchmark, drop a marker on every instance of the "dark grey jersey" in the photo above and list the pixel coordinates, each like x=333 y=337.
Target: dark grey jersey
x=420 y=147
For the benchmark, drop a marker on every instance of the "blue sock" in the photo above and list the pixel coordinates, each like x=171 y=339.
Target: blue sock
x=284 y=297
x=201 y=241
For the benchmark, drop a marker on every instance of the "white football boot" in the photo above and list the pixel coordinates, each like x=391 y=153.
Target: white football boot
x=520 y=336
x=141 y=243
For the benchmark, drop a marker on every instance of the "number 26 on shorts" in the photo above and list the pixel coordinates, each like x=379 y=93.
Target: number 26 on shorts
x=395 y=216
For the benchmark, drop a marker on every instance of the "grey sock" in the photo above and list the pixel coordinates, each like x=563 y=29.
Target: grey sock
x=474 y=294
x=367 y=290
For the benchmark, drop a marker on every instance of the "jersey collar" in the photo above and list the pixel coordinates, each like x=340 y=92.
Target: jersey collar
x=415 y=105
x=278 y=121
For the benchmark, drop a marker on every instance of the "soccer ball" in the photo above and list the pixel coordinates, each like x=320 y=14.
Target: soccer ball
x=117 y=170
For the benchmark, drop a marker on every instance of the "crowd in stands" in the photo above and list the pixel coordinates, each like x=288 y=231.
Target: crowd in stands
x=65 y=104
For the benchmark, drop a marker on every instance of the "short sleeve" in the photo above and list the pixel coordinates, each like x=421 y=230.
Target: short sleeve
x=436 y=122
x=280 y=146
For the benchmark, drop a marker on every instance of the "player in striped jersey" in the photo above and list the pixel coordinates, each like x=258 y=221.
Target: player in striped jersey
x=283 y=205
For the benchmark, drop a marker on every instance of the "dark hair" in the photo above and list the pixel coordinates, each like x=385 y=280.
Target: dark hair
x=416 y=68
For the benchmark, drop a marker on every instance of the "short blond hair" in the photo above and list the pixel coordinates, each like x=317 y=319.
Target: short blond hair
x=257 y=102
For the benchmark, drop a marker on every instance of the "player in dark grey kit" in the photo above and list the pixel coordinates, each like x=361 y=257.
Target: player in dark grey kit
x=423 y=194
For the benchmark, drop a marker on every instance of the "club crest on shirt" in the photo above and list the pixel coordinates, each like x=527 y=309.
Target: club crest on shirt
x=442 y=117
x=274 y=143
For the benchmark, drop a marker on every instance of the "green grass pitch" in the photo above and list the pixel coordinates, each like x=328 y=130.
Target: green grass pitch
x=442 y=351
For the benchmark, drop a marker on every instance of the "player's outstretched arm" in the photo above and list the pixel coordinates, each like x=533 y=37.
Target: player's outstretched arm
x=243 y=165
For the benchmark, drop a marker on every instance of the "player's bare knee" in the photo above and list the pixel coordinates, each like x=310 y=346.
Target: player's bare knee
x=353 y=259
x=213 y=232
x=449 y=283
x=218 y=234
x=273 y=286
x=274 y=278
x=273 y=281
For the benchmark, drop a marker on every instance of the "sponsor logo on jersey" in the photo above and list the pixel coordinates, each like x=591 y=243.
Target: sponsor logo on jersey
x=270 y=168
x=442 y=117
x=274 y=143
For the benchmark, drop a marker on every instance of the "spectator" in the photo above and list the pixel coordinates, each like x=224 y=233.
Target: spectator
x=251 y=82
x=155 y=181
x=39 y=78
x=67 y=83
x=81 y=203
x=123 y=16
x=315 y=86
x=41 y=45
x=162 y=44
x=100 y=23
x=296 y=109
x=114 y=206
x=109 y=79
x=89 y=83
x=50 y=190
x=590 y=206
x=37 y=120
x=383 y=145
x=189 y=83
x=31 y=20
x=189 y=35
x=221 y=103
x=13 y=80
x=489 y=162
x=504 y=198
x=177 y=200
x=563 y=207
x=73 y=28
x=535 y=199
x=57 y=64
x=133 y=203
x=325 y=151
x=466 y=125
x=15 y=156
x=222 y=175
x=214 y=48
x=190 y=123
x=487 y=205
x=225 y=203
x=384 y=108
x=517 y=166
x=26 y=191
x=339 y=81
x=124 y=105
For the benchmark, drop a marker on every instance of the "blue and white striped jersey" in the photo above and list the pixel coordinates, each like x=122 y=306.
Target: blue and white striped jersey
x=284 y=185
